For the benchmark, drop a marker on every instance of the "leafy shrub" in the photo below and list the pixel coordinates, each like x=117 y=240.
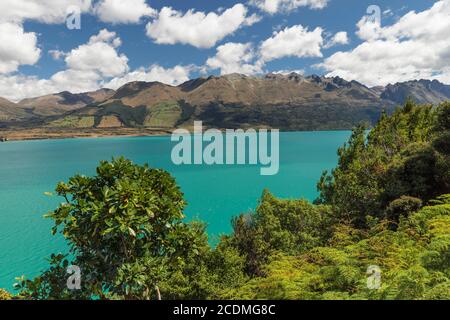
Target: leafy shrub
x=5 y=295
x=403 y=206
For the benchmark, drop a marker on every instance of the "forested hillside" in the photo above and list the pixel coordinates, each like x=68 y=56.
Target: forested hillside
x=385 y=207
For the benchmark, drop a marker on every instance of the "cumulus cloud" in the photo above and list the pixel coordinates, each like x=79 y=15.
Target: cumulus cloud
x=17 y=47
x=17 y=87
x=295 y=41
x=106 y=36
x=87 y=67
x=171 y=76
x=47 y=11
x=197 y=28
x=99 y=55
x=368 y=28
x=416 y=46
x=75 y=81
x=235 y=57
x=339 y=38
x=119 y=11
x=275 y=6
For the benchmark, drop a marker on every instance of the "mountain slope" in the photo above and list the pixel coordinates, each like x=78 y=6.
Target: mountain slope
x=60 y=103
x=421 y=91
x=286 y=102
x=10 y=111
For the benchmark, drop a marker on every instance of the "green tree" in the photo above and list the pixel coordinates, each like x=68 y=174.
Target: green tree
x=289 y=226
x=414 y=262
x=405 y=154
x=125 y=232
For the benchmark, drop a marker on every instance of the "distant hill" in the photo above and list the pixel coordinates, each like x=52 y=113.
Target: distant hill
x=10 y=111
x=287 y=102
x=421 y=91
x=60 y=103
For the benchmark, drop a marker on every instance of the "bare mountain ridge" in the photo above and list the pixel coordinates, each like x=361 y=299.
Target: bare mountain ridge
x=9 y=111
x=49 y=105
x=288 y=102
x=240 y=89
x=57 y=104
x=422 y=91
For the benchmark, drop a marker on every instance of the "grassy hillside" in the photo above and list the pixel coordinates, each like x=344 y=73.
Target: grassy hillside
x=286 y=102
x=290 y=102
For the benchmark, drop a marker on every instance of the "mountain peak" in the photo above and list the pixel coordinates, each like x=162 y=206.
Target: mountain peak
x=421 y=91
x=192 y=84
x=134 y=87
x=293 y=76
x=235 y=76
x=282 y=100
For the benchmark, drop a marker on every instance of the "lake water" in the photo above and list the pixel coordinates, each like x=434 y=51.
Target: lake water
x=28 y=169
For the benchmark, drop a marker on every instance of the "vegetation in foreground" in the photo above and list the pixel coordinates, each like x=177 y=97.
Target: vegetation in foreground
x=386 y=205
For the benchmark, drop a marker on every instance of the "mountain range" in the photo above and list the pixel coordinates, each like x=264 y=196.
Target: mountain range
x=287 y=102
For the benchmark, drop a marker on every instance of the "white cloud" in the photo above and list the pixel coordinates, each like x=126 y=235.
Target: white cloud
x=287 y=72
x=368 y=28
x=235 y=58
x=99 y=55
x=275 y=6
x=388 y=13
x=171 y=76
x=120 y=11
x=87 y=68
x=198 y=29
x=251 y=20
x=106 y=36
x=75 y=80
x=416 y=46
x=90 y=66
x=47 y=11
x=17 y=87
x=56 y=54
x=339 y=38
x=17 y=47
x=296 y=41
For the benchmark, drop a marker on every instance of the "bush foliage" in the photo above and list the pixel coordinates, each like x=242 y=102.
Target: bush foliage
x=385 y=206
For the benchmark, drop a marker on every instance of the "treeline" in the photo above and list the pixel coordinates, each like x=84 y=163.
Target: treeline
x=380 y=229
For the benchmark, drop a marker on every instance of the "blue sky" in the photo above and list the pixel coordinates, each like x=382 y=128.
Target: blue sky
x=300 y=34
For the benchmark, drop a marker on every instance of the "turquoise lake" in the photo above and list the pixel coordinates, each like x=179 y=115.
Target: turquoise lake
x=28 y=169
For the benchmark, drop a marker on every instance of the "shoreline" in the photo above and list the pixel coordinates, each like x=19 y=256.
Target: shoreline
x=33 y=134
x=36 y=134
